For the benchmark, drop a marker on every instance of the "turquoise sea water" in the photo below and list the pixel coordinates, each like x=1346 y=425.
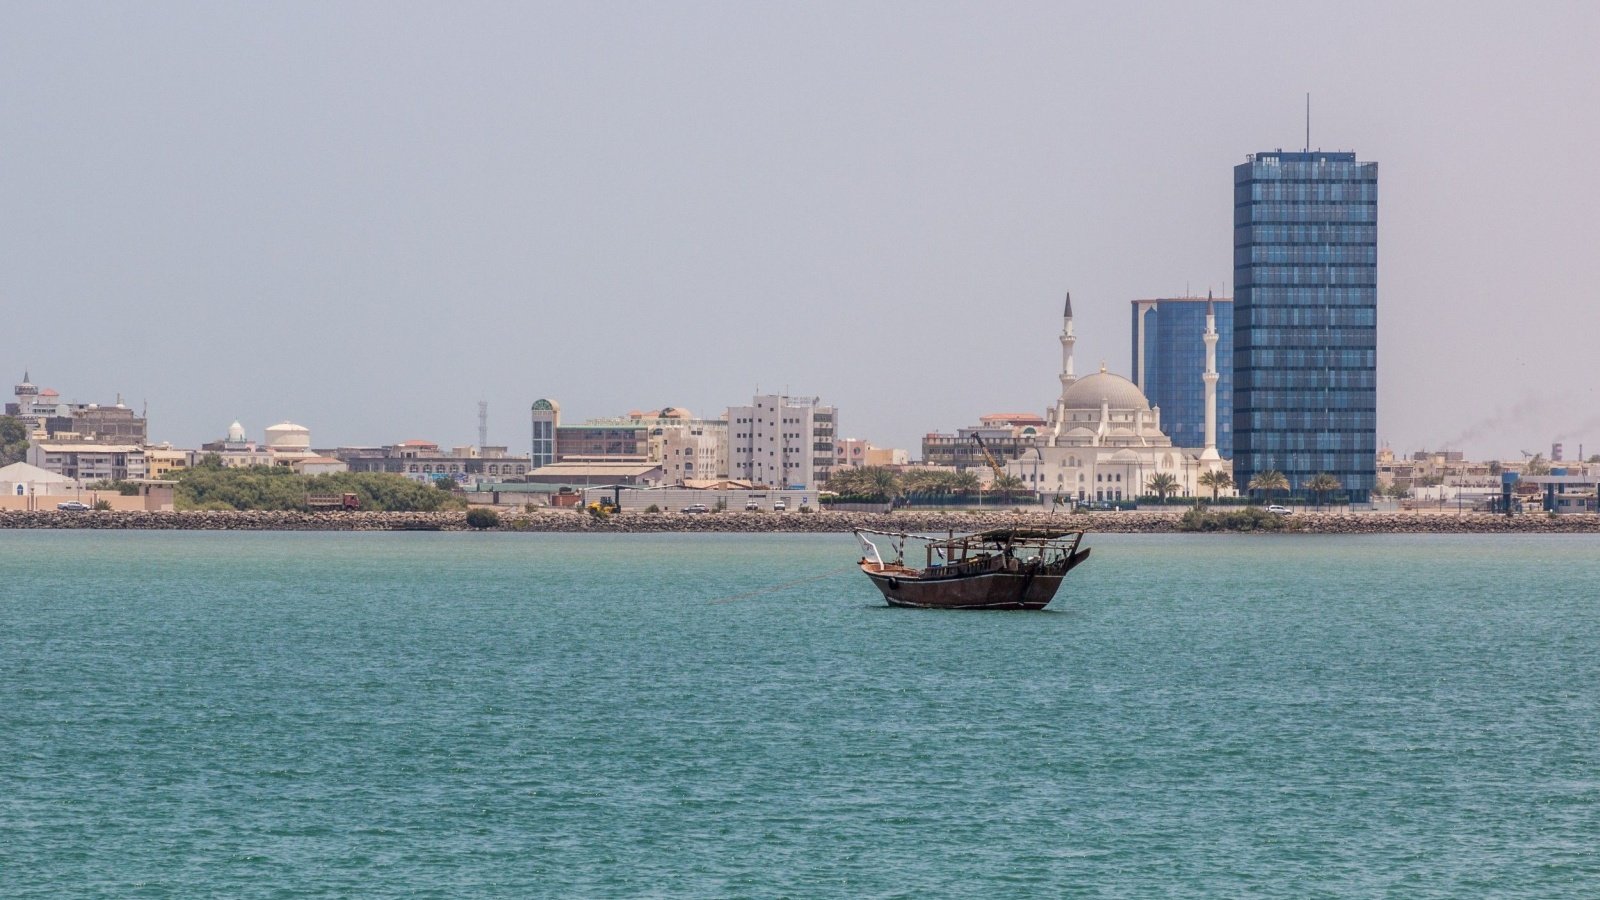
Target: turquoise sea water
x=447 y=715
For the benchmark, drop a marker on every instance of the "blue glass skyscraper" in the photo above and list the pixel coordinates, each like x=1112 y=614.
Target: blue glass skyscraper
x=1305 y=323
x=1169 y=364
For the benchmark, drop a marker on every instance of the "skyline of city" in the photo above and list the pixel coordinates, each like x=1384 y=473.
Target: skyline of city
x=287 y=219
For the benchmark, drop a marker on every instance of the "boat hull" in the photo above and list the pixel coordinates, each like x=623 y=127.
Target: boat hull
x=1019 y=588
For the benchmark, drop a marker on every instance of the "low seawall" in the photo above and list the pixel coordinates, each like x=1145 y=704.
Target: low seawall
x=1138 y=522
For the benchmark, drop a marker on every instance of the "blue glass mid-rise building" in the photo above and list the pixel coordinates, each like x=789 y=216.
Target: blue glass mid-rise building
x=1169 y=365
x=1305 y=319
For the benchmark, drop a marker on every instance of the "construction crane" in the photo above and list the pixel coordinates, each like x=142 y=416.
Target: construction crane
x=988 y=457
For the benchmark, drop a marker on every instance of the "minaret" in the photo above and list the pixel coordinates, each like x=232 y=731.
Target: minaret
x=1067 y=378
x=1067 y=340
x=26 y=394
x=1210 y=378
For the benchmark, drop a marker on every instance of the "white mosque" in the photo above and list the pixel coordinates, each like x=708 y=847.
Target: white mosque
x=1103 y=440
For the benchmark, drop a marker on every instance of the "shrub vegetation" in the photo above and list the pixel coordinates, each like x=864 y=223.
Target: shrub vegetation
x=1251 y=518
x=279 y=488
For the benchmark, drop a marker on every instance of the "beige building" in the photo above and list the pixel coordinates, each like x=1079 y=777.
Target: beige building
x=857 y=453
x=162 y=461
x=686 y=447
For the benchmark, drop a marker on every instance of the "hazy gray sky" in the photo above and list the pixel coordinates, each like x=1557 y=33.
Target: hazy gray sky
x=365 y=217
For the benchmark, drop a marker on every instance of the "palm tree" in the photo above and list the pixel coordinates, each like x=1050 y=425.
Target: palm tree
x=1321 y=484
x=964 y=482
x=844 y=481
x=1008 y=484
x=1163 y=484
x=872 y=482
x=1269 y=481
x=1217 y=480
x=881 y=482
x=919 y=481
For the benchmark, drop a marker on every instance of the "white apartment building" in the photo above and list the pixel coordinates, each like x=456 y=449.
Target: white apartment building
x=87 y=461
x=782 y=441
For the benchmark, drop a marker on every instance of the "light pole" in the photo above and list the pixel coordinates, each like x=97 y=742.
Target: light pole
x=1038 y=457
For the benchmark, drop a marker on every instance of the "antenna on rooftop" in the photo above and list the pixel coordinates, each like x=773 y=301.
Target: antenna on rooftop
x=1308 y=121
x=483 y=423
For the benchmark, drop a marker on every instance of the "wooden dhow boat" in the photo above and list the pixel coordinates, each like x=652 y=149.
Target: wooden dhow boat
x=1002 y=568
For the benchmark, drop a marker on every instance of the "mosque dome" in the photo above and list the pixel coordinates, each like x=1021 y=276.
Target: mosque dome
x=1114 y=390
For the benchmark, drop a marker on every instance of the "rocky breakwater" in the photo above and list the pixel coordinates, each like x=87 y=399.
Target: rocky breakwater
x=1128 y=522
x=246 y=520
x=1442 y=523
x=1161 y=521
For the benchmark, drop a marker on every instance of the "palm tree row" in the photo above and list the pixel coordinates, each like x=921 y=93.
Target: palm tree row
x=884 y=483
x=881 y=483
x=1321 y=484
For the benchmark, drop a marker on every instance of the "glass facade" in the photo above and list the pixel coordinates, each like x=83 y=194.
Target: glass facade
x=546 y=419
x=1305 y=325
x=1169 y=358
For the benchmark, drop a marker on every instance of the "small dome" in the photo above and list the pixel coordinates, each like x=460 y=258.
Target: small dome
x=236 y=431
x=1117 y=392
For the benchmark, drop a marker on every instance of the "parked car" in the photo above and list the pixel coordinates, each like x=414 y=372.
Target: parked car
x=74 y=505
x=1098 y=505
x=751 y=506
x=1276 y=509
x=695 y=508
x=779 y=506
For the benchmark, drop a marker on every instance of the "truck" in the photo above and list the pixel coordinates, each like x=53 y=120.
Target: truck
x=332 y=502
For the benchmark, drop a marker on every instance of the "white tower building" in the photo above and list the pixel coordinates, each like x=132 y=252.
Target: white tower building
x=1068 y=338
x=1209 y=452
x=782 y=441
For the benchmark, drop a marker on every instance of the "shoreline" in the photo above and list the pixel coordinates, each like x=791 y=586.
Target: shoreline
x=547 y=522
